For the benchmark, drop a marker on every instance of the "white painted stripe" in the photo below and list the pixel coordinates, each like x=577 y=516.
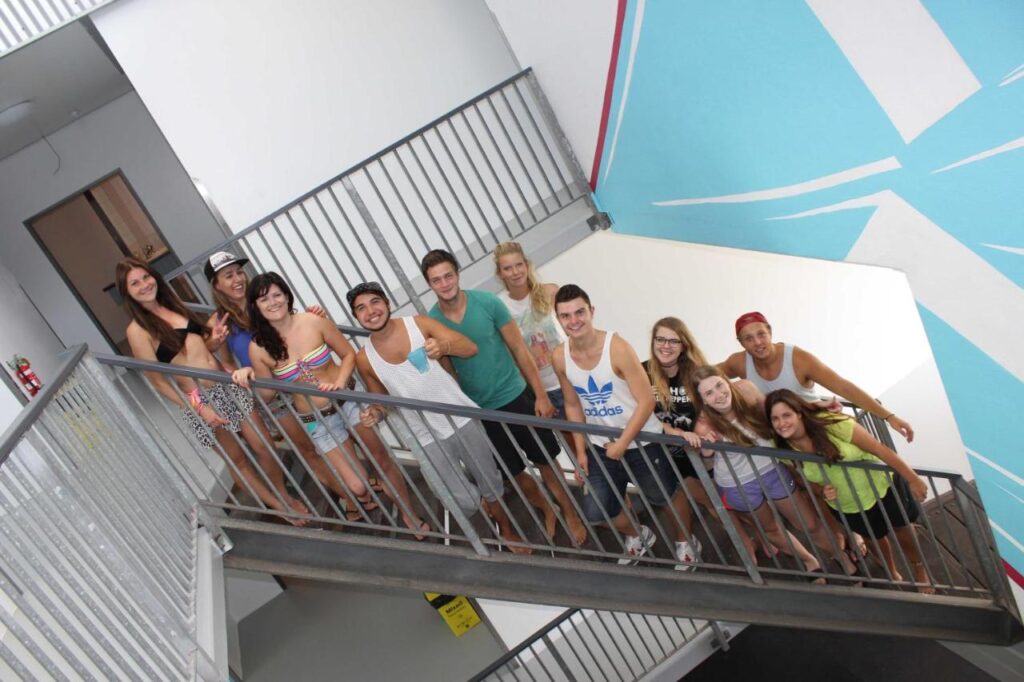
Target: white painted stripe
x=1013 y=76
x=1011 y=79
x=1001 y=149
x=859 y=202
x=842 y=177
x=634 y=41
x=1008 y=249
x=1005 y=472
x=903 y=57
x=987 y=315
x=1009 y=538
x=1016 y=497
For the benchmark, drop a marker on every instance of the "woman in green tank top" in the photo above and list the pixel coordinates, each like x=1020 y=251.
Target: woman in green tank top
x=864 y=498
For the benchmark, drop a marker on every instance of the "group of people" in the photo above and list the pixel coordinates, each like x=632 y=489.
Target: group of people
x=533 y=350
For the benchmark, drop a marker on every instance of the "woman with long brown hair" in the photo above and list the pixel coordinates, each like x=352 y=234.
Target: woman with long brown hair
x=164 y=330
x=735 y=414
x=674 y=356
x=865 y=499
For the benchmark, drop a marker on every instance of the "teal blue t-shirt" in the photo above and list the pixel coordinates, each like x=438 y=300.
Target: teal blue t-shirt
x=490 y=378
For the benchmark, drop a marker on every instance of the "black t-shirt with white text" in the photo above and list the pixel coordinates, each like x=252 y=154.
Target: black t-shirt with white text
x=683 y=414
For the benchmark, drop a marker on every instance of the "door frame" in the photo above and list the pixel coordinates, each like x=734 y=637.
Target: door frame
x=56 y=265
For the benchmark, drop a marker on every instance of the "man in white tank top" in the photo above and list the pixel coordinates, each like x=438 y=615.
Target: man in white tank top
x=605 y=384
x=771 y=366
x=408 y=357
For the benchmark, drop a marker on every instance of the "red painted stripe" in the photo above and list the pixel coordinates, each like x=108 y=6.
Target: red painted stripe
x=609 y=86
x=1015 y=576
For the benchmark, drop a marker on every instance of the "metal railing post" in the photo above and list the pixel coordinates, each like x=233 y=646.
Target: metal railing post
x=568 y=155
x=382 y=244
x=994 y=575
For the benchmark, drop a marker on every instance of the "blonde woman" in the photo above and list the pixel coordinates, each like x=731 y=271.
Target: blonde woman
x=532 y=305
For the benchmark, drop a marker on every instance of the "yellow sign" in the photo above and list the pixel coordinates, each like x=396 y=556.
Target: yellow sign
x=458 y=612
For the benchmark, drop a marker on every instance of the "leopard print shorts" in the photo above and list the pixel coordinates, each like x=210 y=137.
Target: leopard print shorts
x=232 y=402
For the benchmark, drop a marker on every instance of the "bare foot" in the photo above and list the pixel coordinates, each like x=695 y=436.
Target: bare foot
x=578 y=530
x=921 y=578
x=550 y=523
x=512 y=539
x=296 y=507
x=417 y=524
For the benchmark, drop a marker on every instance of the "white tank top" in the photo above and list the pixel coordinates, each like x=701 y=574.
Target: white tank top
x=741 y=464
x=786 y=378
x=606 y=398
x=405 y=381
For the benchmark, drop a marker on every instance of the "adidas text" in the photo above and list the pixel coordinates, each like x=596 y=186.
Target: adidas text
x=602 y=411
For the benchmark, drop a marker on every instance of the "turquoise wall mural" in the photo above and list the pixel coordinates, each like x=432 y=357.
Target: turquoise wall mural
x=888 y=132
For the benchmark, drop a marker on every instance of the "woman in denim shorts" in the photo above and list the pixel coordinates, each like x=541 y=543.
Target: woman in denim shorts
x=734 y=413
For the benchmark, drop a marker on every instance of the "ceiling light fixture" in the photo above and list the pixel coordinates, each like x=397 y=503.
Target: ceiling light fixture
x=16 y=112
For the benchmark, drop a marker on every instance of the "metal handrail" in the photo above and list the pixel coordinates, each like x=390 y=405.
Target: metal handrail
x=27 y=418
x=181 y=269
x=525 y=644
x=482 y=414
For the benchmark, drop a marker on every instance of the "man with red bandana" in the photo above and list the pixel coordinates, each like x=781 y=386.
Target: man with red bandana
x=772 y=366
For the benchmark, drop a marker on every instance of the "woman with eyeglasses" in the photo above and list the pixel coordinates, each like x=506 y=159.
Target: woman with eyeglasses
x=674 y=356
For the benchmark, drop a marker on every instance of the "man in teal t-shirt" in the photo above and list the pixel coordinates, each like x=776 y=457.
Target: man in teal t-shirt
x=500 y=377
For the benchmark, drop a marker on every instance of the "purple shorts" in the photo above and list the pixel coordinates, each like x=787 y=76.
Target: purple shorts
x=777 y=483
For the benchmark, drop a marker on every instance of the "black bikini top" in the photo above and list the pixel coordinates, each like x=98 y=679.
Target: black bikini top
x=165 y=354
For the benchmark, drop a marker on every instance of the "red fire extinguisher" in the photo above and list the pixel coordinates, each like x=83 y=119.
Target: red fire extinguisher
x=23 y=370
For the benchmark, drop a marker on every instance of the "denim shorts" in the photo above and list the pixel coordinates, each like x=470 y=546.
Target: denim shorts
x=778 y=484
x=558 y=400
x=330 y=432
x=600 y=496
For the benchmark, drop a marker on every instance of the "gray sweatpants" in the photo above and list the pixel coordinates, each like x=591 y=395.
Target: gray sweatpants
x=466 y=449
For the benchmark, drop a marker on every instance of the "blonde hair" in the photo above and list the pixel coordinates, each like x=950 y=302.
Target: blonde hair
x=540 y=302
x=690 y=359
x=750 y=416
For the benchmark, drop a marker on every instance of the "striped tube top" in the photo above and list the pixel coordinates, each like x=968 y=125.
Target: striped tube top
x=301 y=368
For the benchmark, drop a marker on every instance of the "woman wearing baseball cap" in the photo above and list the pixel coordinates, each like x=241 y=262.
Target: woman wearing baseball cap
x=164 y=330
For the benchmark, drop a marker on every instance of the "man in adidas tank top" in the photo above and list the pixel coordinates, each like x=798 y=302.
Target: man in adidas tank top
x=605 y=384
x=408 y=357
x=794 y=368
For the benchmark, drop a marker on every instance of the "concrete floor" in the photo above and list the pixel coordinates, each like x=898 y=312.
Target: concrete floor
x=317 y=631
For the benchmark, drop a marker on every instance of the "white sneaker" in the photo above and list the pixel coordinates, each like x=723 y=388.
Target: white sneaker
x=637 y=546
x=688 y=552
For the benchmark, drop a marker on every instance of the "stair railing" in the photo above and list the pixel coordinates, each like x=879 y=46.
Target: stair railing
x=488 y=171
x=586 y=644
x=98 y=549
x=967 y=566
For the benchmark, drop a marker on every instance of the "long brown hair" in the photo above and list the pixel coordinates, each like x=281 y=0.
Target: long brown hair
x=540 y=302
x=746 y=414
x=815 y=423
x=690 y=359
x=165 y=296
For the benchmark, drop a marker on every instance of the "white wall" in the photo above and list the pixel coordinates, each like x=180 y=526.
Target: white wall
x=265 y=100
x=860 y=320
x=25 y=333
x=118 y=135
x=568 y=44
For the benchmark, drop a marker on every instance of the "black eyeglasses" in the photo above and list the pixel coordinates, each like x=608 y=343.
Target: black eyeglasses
x=671 y=343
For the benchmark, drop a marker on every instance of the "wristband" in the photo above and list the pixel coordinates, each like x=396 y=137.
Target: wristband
x=196 y=399
x=888 y=416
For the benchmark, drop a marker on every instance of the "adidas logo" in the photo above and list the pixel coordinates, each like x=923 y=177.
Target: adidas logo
x=592 y=394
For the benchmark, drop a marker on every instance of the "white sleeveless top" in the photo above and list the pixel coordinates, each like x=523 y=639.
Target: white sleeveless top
x=741 y=464
x=606 y=398
x=405 y=381
x=786 y=378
